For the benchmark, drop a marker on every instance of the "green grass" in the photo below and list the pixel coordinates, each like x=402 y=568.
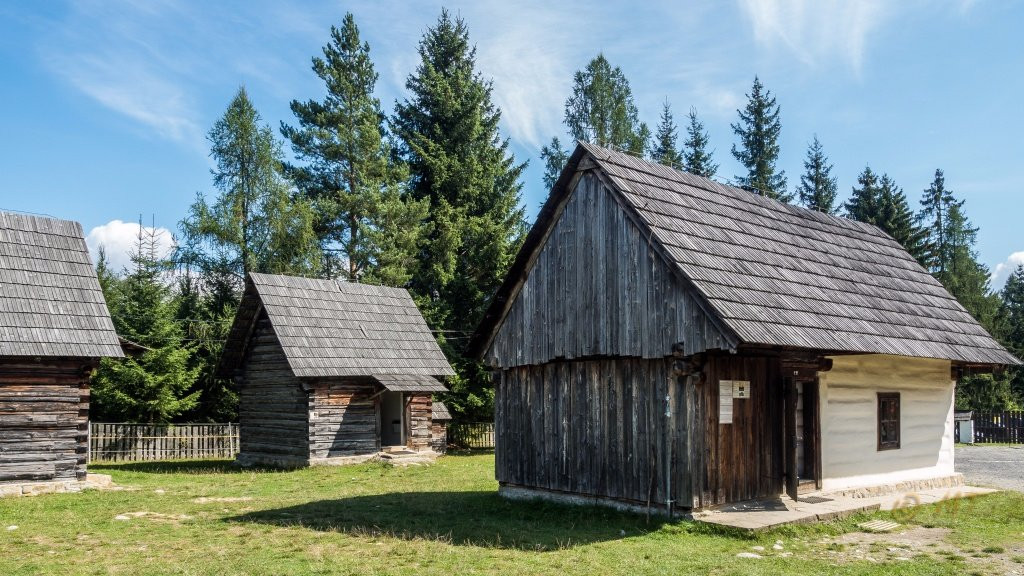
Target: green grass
x=207 y=517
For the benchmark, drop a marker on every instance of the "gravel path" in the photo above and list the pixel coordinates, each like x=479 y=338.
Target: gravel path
x=992 y=466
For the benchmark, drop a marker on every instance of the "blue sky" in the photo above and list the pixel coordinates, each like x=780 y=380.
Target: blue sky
x=105 y=105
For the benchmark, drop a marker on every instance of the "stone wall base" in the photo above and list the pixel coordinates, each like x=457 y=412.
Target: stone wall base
x=91 y=482
x=400 y=458
x=952 y=481
x=524 y=493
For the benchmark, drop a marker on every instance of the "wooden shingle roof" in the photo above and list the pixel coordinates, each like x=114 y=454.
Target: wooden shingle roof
x=777 y=274
x=50 y=300
x=329 y=328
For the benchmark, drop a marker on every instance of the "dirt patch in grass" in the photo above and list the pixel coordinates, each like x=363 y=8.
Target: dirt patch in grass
x=917 y=542
x=152 y=516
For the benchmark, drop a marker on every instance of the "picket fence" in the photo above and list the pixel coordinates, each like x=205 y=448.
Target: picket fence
x=471 y=435
x=999 y=427
x=132 y=442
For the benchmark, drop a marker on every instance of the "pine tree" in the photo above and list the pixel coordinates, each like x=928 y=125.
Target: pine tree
x=818 y=188
x=896 y=219
x=1013 y=334
x=255 y=225
x=697 y=159
x=601 y=111
x=665 y=150
x=863 y=204
x=758 y=129
x=555 y=158
x=460 y=163
x=365 y=222
x=153 y=387
x=935 y=205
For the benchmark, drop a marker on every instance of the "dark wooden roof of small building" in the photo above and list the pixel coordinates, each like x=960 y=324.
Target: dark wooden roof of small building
x=50 y=300
x=774 y=273
x=438 y=412
x=329 y=328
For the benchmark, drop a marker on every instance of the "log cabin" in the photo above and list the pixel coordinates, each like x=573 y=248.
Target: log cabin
x=54 y=328
x=330 y=371
x=666 y=340
x=439 y=419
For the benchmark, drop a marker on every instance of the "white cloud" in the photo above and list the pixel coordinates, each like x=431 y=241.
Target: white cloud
x=1002 y=270
x=119 y=239
x=816 y=31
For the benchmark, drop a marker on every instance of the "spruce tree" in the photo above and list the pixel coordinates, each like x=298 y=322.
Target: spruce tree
x=155 y=386
x=758 y=130
x=818 y=188
x=255 y=224
x=601 y=111
x=366 y=224
x=664 y=149
x=459 y=163
x=863 y=204
x=935 y=205
x=697 y=159
x=1013 y=334
x=896 y=219
x=554 y=158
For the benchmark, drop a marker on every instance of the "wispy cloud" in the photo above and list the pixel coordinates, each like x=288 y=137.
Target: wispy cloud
x=816 y=31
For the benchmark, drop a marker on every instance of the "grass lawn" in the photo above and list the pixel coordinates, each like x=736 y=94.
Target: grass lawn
x=206 y=517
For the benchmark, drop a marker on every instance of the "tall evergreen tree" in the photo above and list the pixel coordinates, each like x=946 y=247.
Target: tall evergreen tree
x=255 y=225
x=366 y=223
x=935 y=204
x=697 y=159
x=601 y=111
x=897 y=219
x=863 y=204
x=1013 y=318
x=665 y=149
x=460 y=163
x=153 y=387
x=554 y=158
x=818 y=187
x=758 y=130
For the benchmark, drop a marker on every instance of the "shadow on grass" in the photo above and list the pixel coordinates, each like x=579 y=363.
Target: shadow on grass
x=461 y=518
x=206 y=466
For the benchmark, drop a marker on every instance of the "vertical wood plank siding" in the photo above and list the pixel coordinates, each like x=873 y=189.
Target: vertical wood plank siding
x=342 y=418
x=597 y=289
x=44 y=414
x=273 y=408
x=598 y=428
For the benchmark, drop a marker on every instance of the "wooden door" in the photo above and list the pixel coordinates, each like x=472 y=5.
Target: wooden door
x=792 y=469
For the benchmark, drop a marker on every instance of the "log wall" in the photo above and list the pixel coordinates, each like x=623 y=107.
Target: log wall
x=44 y=419
x=273 y=407
x=418 y=412
x=597 y=288
x=343 y=418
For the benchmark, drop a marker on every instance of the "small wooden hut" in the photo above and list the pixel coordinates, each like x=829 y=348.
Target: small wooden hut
x=330 y=371
x=54 y=328
x=664 y=339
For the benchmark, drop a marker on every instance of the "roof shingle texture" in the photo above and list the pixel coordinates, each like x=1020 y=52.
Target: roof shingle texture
x=50 y=300
x=783 y=275
x=329 y=328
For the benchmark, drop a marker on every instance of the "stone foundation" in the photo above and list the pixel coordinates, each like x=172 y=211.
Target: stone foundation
x=523 y=493
x=91 y=482
x=953 y=481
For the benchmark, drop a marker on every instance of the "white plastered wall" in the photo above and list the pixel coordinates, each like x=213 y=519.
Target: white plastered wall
x=849 y=421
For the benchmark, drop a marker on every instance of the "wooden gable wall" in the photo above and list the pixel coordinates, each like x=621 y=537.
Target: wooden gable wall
x=597 y=288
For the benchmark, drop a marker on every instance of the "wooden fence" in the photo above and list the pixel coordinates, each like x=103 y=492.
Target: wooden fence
x=1002 y=427
x=121 y=442
x=471 y=435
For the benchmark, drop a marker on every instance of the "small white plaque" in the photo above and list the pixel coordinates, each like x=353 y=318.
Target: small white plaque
x=725 y=401
x=741 y=388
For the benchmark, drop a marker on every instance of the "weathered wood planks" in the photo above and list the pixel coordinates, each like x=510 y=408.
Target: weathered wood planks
x=44 y=413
